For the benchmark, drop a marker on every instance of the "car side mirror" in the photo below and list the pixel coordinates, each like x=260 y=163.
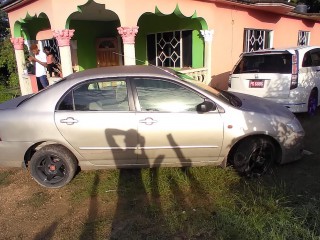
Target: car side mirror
x=206 y=106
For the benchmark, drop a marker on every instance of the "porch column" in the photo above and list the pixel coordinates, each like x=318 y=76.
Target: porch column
x=18 y=44
x=128 y=35
x=207 y=35
x=63 y=38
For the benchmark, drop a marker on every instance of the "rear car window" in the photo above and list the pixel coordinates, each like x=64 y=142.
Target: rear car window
x=264 y=63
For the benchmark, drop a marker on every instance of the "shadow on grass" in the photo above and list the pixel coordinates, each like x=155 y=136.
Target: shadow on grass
x=89 y=231
x=188 y=213
x=47 y=233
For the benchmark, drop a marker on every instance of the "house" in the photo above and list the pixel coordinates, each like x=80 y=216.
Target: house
x=204 y=38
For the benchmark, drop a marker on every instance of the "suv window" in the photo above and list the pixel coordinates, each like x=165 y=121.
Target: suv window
x=311 y=58
x=265 y=63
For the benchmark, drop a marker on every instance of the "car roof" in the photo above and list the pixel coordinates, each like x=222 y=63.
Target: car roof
x=281 y=50
x=122 y=71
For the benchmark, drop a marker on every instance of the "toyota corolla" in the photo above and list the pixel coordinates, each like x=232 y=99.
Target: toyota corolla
x=142 y=116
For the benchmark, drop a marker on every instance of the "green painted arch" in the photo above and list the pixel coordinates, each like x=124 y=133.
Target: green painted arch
x=179 y=14
x=88 y=31
x=151 y=23
x=17 y=29
x=81 y=9
x=29 y=26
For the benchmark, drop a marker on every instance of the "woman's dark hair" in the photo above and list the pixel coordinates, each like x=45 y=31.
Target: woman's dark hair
x=47 y=48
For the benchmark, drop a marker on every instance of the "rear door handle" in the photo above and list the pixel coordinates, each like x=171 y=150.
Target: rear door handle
x=69 y=120
x=148 y=121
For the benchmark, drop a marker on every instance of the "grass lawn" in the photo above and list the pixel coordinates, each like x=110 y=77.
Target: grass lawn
x=166 y=203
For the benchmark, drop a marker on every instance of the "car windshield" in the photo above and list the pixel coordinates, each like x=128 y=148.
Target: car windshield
x=222 y=95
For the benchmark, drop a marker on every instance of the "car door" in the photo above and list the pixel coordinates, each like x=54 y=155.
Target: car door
x=171 y=129
x=96 y=120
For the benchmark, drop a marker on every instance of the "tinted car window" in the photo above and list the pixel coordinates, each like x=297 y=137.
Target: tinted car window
x=315 y=57
x=311 y=58
x=157 y=95
x=265 y=63
x=97 y=96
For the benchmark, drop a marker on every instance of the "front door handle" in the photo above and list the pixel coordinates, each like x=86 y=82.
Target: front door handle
x=69 y=120
x=148 y=121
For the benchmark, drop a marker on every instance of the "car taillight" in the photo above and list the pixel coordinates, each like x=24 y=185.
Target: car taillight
x=294 y=73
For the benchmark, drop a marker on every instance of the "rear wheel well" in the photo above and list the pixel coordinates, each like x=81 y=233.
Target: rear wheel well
x=236 y=145
x=37 y=146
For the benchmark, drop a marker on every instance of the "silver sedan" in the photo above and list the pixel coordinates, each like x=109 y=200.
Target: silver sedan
x=142 y=116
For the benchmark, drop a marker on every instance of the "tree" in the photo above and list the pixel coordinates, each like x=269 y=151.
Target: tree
x=4 y=25
x=9 y=81
x=314 y=6
x=8 y=65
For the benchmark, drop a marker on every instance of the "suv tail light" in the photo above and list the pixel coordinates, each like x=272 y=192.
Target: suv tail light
x=294 y=73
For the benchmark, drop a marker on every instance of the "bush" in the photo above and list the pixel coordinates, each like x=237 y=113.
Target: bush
x=7 y=93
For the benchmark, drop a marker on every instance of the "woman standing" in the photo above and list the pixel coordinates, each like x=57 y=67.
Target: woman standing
x=51 y=65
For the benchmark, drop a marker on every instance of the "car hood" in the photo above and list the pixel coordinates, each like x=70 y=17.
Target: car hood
x=260 y=105
x=13 y=103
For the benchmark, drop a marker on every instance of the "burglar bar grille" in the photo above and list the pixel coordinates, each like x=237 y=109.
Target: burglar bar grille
x=303 y=38
x=256 y=39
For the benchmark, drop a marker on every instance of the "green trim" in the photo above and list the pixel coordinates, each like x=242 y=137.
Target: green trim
x=31 y=25
x=17 y=29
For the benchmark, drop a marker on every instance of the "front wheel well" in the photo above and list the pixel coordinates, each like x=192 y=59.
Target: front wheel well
x=236 y=145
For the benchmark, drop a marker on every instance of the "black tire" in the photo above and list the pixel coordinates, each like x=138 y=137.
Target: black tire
x=253 y=157
x=313 y=102
x=53 y=166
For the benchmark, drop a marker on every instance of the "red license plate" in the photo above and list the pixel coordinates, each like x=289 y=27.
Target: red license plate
x=256 y=83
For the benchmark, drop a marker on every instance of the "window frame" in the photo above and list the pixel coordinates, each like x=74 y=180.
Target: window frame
x=303 y=35
x=250 y=32
x=70 y=91
x=185 y=60
x=136 y=97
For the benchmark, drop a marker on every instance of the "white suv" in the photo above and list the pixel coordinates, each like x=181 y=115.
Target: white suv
x=288 y=76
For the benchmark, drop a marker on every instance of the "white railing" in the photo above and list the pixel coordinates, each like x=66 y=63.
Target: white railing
x=199 y=74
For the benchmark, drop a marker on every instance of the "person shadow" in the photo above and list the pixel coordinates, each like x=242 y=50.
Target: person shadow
x=137 y=210
x=134 y=206
x=195 y=185
x=190 y=201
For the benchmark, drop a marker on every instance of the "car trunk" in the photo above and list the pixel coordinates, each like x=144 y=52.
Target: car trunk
x=264 y=74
